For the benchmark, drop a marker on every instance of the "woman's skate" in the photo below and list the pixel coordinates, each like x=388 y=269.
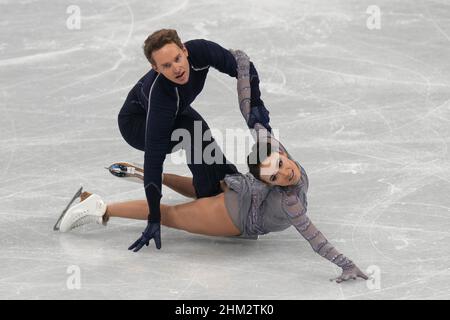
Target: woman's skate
x=91 y=209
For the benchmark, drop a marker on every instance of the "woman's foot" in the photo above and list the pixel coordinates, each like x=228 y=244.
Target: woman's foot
x=105 y=218
x=91 y=209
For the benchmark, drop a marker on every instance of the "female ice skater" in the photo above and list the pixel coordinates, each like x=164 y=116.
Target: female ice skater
x=270 y=198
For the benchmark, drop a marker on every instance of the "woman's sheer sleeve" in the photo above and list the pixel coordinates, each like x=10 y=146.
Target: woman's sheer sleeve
x=296 y=213
x=244 y=97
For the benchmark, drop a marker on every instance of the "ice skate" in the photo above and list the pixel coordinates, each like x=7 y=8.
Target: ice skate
x=126 y=170
x=91 y=209
x=75 y=196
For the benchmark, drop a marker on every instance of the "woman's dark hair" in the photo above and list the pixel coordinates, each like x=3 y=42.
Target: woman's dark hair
x=260 y=152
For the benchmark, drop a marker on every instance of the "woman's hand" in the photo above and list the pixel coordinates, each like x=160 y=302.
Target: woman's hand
x=352 y=272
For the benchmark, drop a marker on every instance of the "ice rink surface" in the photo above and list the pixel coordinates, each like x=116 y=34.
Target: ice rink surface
x=366 y=112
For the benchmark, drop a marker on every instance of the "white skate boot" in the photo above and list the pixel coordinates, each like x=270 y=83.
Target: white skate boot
x=90 y=210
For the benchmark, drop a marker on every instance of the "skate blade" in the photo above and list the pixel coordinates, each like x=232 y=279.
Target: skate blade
x=77 y=194
x=127 y=171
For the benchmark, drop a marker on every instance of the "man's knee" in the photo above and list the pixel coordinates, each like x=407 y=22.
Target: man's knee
x=207 y=188
x=206 y=179
x=132 y=130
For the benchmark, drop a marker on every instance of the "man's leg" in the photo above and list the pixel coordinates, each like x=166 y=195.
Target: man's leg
x=132 y=121
x=206 y=177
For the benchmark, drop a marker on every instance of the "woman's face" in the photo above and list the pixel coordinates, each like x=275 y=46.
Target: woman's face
x=279 y=170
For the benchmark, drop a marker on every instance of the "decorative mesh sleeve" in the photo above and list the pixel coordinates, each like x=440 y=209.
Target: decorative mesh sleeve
x=243 y=84
x=244 y=97
x=296 y=213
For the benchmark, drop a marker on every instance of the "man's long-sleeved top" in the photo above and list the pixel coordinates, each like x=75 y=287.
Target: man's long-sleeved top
x=162 y=100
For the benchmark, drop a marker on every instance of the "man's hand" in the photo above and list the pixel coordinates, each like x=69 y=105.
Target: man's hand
x=153 y=231
x=350 y=273
x=259 y=114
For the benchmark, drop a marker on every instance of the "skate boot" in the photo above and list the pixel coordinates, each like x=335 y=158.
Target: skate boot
x=91 y=209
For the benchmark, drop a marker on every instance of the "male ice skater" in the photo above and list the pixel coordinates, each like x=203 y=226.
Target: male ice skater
x=161 y=102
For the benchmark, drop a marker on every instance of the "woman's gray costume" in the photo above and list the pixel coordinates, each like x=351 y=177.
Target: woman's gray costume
x=262 y=208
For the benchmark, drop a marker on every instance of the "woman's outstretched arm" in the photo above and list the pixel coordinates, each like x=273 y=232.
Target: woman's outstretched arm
x=296 y=213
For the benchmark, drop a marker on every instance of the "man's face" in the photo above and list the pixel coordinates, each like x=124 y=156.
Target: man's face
x=279 y=170
x=172 y=62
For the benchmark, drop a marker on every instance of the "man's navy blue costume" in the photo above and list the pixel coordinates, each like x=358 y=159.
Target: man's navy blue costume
x=156 y=106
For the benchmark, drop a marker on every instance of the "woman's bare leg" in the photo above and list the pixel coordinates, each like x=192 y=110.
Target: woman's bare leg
x=180 y=184
x=208 y=216
x=133 y=209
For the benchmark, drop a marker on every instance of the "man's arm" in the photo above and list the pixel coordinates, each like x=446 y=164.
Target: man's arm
x=160 y=120
x=223 y=60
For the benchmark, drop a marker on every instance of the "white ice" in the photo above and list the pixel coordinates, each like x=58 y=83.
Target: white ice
x=366 y=112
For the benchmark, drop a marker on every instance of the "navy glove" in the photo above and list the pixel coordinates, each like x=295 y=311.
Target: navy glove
x=153 y=231
x=259 y=114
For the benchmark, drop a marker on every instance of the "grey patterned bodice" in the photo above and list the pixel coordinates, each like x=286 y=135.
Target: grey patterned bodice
x=268 y=206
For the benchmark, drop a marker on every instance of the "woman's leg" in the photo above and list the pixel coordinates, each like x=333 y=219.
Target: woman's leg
x=208 y=216
x=180 y=184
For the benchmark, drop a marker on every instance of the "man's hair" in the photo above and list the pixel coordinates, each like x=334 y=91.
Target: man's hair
x=159 y=39
x=261 y=150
